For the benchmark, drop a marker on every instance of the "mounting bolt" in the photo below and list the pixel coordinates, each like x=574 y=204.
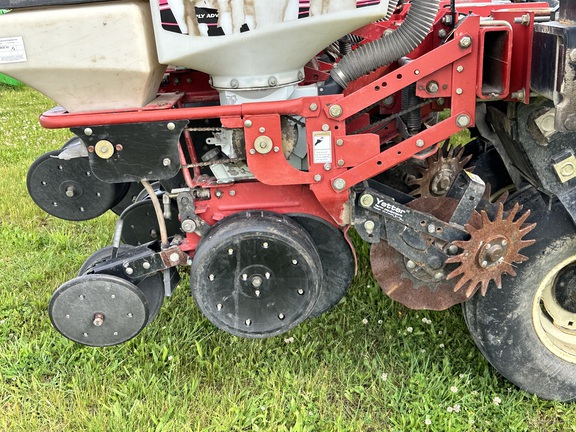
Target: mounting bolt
x=440 y=101
x=98 y=319
x=327 y=167
x=276 y=149
x=70 y=191
x=339 y=184
x=389 y=101
x=171 y=126
x=188 y=226
x=232 y=193
x=341 y=162
x=366 y=200
x=416 y=72
x=129 y=271
x=313 y=107
x=460 y=69
x=146 y=265
x=272 y=81
x=453 y=249
x=335 y=111
x=420 y=143
x=325 y=127
x=234 y=84
x=257 y=282
x=166 y=162
x=459 y=91
x=484 y=264
x=369 y=227
x=463 y=120
x=465 y=42
x=174 y=257
x=248 y=123
x=432 y=87
x=88 y=132
x=410 y=264
x=340 y=142
x=262 y=130
x=431 y=228
x=441 y=33
x=317 y=177
x=439 y=276
x=252 y=151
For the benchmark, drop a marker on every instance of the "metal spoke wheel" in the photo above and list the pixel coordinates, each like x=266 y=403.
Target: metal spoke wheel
x=527 y=329
x=99 y=310
x=152 y=287
x=256 y=274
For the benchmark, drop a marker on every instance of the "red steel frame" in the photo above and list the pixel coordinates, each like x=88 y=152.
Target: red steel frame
x=324 y=189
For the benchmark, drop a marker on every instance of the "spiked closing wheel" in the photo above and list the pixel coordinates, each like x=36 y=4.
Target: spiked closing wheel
x=439 y=173
x=256 y=274
x=492 y=250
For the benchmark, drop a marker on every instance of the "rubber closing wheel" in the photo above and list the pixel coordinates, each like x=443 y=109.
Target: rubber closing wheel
x=337 y=261
x=67 y=189
x=526 y=329
x=256 y=274
x=98 y=310
x=152 y=287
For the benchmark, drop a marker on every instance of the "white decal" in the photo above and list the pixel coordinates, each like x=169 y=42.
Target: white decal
x=12 y=50
x=322 y=142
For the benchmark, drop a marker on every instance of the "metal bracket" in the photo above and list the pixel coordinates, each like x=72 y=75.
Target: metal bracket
x=468 y=190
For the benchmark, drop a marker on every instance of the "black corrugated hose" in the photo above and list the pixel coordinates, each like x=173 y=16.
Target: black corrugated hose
x=389 y=48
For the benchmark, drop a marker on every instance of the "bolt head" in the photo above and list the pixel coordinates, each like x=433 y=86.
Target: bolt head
x=465 y=42
x=339 y=142
x=339 y=184
x=369 y=226
x=129 y=271
x=341 y=162
x=420 y=143
x=174 y=257
x=463 y=120
x=166 y=162
x=171 y=126
x=248 y=123
x=441 y=33
x=335 y=111
x=317 y=177
x=410 y=264
x=367 y=200
x=88 y=132
x=146 y=265
x=188 y=226
x=327 y=167
x=432 y=87
x=313 y=107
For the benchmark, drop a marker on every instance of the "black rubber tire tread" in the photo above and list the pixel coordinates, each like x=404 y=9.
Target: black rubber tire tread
x=501 y=322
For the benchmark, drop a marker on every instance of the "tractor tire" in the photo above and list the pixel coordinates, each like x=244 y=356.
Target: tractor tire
x=527 y=329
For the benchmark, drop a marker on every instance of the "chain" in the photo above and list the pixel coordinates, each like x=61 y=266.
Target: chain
x=210 y=163
x=205 y=129
x=388 y=119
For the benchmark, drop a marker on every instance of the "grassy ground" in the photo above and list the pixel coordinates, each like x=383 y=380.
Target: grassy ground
x=369 y=364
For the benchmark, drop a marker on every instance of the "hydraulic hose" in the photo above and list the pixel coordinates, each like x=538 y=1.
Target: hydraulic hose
x=389 y=48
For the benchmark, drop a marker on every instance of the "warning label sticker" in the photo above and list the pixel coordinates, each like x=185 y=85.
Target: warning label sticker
x=12 y=50
x=322 y=147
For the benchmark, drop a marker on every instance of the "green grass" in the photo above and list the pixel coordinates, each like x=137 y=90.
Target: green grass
x=369 y=364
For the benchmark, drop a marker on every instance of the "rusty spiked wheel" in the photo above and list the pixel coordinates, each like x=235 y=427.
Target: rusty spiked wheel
x=527 y=329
